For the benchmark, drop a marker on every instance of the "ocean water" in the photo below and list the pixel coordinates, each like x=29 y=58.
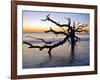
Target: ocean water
x=61 y=56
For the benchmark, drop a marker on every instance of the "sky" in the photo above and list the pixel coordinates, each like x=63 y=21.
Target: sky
x=32 y=20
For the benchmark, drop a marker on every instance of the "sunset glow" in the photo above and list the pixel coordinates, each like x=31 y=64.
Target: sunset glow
x=32 y=20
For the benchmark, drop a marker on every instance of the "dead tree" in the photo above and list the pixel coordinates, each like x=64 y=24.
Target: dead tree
x=69 y=34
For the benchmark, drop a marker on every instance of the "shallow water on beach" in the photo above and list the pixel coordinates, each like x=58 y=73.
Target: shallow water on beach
x=61 y=56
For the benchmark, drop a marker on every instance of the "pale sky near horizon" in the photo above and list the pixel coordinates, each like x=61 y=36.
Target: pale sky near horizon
x=32 y=20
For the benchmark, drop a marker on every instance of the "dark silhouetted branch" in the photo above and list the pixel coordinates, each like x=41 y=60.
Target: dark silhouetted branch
x=55 y=32
x=50 y=47
x=47 y=42
x=81 y=27
x=69 y=34
x=58 y=24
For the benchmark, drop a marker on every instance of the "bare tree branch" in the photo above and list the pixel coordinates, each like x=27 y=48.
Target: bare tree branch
x=58 y=24
x=49 y=19
x=69 y=35
x=82 y=31
x=69 y=21
x=47 y=42
x=51 y=30
x=80 y=28
x=50 y=47
x=47 y=46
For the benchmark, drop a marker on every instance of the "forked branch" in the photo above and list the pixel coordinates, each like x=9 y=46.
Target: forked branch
x=80 y=28
x=58 y=24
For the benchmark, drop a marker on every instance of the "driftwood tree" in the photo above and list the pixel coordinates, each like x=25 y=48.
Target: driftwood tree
x=69 y=34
